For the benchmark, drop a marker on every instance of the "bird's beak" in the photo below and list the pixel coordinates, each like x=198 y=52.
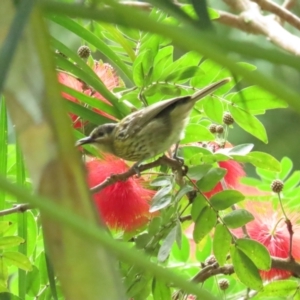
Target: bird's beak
x=85 y=140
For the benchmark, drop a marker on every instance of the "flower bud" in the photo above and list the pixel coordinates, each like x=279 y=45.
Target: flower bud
x=212 y=128
x=219 y=129
x=228 y=119
x=84 y=51
x=223 y=284
x=277 y=186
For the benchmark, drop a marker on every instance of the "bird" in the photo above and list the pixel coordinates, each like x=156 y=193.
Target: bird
x=150 y=131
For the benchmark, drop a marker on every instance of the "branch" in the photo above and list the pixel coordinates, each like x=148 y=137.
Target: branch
x=212 y=270
x=215 y=269
x=164 y=160
x=17 y=208
x=252 y=21
x=289 y=4
x=287 y=265
x=236 y=21
x=279 y=11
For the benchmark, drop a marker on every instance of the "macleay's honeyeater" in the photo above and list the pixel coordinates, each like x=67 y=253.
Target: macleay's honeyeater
x=149 y=131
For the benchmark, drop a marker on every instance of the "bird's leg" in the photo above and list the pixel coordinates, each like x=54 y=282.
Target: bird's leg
x=175 y=156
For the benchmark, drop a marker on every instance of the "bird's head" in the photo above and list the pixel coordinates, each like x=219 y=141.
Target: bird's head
x=101 y=137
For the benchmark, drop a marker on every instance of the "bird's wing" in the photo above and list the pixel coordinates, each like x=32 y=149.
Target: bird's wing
x=137 y=120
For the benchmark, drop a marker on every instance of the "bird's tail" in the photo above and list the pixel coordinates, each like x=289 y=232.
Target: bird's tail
x=209 y=89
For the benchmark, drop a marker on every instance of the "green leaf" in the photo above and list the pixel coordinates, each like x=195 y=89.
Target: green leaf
x=266 y=175
x=119 y=37
x=160 y=290
x=183 y=191
x=210 y=70
x=210 y=180
x=89 y=77
x=261 y=160
x=142 y=240
x=225 y=199
x=293 y=181
x=162 y=60
x=138 y=287
x=286 y=168
x=18 y=259
x=183 y=253
x=4 y=226
x=178 y=234
x=204 y=223
x=213 y=108
x=257 y=252
x=86 y=113
x=256 y=98
x=142 y=66
x=242 y=149
x=195 y=133
x=4 y=145
x=3 y=274
x=221 y=243
x=237 y=218
x=160 y=203
x=151 y=42
x=91 y=101
x=167 y=244
x=249 y=123
x=10 y=241
x=154 y=225
x=199 y=203
x=189 y=59
x=33 y=282
x=279 y=288
x=163 y=89
x=92 y=39
x=7 y=296
x=161 y=181
x=199 y=171
x=245 y=269
x=264 y=161
x=182 y=74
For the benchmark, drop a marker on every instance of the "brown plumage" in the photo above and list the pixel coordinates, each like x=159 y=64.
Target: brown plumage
x=149 y=131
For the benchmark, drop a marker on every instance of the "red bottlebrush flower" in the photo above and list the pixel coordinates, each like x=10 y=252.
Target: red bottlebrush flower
x=107 y=75
x=234 y=172
x=123 y=205
x=269 y=228
x=75 y=84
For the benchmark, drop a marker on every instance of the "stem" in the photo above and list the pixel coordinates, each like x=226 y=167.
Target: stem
x=289 y=227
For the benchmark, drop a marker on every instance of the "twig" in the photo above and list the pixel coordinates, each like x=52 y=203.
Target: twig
x=142 y=5
x=212 y=270
x=287 y=265
x=215 y=269
x=289 y=226
x=251 y=20
x=17 y=208
x=289 y=4
x=236 y=21
x=279 y=11
x=164 y=160
x=185 y=218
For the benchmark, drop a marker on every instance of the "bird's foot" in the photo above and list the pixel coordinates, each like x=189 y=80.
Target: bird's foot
x=178 y=158
x=136 y=168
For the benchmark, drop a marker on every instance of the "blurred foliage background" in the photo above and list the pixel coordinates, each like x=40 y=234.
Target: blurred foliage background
x=282 y=125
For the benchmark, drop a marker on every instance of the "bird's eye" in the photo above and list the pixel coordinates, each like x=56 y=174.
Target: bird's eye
x=100 y=134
